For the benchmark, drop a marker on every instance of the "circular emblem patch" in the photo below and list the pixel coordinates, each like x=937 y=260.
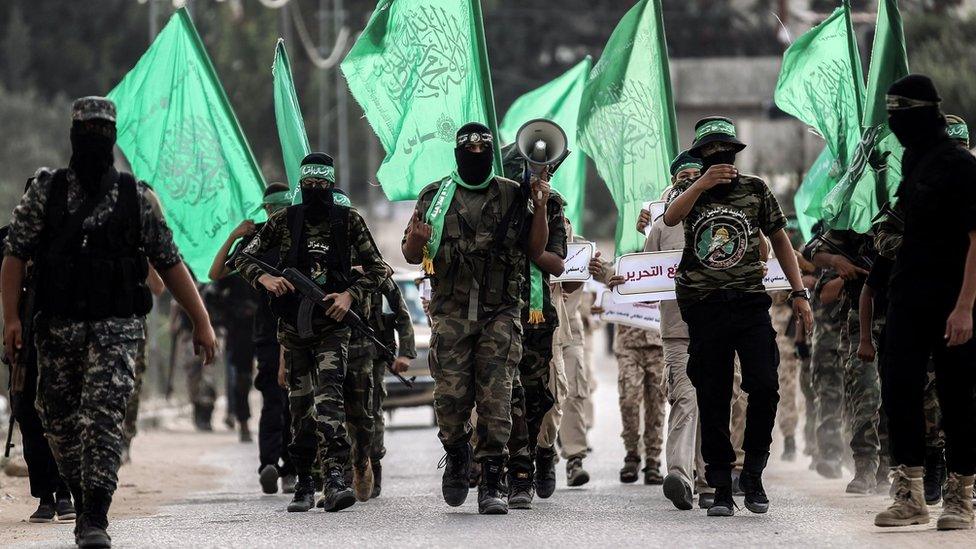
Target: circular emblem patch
x=721 y=238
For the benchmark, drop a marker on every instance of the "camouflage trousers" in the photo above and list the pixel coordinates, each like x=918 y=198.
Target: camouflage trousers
x=934 y=435
x=552 y=421
x=862 y=397
x=85 y=377
x=827 y=375
x=787 y=413
x=640 y=380
x=378 y=445
x=316 y=373
x=473 y=363
x=810 y=406
x=531 y=397
x=129 y=427
x=200 y=383
x=358 y=402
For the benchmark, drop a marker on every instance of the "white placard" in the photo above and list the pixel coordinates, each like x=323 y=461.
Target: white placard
x=578 y=255
x=649 y=276
x=638 y=315
x=657 y=210
x=425 y=289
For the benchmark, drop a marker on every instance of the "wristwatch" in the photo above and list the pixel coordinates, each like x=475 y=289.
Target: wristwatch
x=799 y=294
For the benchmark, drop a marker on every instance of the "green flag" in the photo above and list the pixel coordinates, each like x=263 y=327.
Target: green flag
x=179 y=133
x=288 y=115
x=874 y=172
x=420 y=71
x=627 y=123
x=559 y=101
x=815 y=184
x=821 y=84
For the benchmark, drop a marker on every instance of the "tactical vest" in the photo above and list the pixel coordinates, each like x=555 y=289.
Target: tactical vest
x=97 y=273
x=495 y=260
x=338 y=275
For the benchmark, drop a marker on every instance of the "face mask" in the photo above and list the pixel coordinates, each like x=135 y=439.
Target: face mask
x=91 y=156
x=317 y=199
x=473 y=168
x=914 y=127
x=722 y=157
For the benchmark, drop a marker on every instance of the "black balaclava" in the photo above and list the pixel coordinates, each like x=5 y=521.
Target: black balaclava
x=915 y=126
x=474 y=168
x=91 y=151
x=317 y=200
x=723 y=157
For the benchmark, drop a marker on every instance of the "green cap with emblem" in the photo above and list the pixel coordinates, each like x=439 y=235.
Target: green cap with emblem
x=958 y=129
x=93 y=107
x=684 y=161
x=714 y=129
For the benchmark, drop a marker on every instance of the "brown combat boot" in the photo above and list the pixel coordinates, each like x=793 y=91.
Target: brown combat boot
x=957 y=507
x=909 y=505
x=362 y=480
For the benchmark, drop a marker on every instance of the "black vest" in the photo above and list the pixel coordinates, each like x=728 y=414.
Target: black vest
x=92 y=274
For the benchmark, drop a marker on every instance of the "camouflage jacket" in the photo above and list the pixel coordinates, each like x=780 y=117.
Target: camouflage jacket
x=360 y=346
x=476 y=274
x=722 y=238
x=276 y=236
x=557 y=245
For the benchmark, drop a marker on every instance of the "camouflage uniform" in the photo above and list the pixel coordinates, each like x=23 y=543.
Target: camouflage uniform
x=367 y=439
x=532 y=397
x=86 y=367
x=316 y=367
x=130 y=427
x=476 y=340
x=827 y=372
x=787 y=415
x=201 y=385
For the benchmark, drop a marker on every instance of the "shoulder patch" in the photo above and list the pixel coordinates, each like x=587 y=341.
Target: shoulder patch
x=340 y=199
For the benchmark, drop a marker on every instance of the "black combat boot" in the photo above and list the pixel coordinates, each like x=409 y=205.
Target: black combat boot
x=490 y=501
x=935 y=475
x=545 y=472
x=722 y=504
x=45 y=511
x=457 y=466
x=520 y=489
x=337 y=495
x=77 y=494
x=377 y=478
x=93 y=534
x=304 y=497
x=63 y=506
x=755 y=495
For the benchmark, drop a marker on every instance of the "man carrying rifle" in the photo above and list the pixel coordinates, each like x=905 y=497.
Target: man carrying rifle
x=318 y=238
x=850 y=254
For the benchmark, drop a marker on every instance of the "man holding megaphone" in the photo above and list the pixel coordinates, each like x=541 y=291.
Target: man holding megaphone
x=473 y=231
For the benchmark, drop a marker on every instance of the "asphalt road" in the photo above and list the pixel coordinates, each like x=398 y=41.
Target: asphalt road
x=806 y=511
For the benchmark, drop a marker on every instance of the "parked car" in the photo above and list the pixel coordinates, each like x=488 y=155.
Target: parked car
x=422 y=392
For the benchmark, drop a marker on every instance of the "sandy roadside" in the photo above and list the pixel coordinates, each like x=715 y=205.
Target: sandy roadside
x=166 y=466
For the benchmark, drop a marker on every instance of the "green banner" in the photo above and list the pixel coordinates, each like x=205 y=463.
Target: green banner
x=875 y=169
x=420 y=71
x=179 y=134
x=821 y=84
x=627 y=123
x=815 y=185
x=288 y=115
x=559 y=101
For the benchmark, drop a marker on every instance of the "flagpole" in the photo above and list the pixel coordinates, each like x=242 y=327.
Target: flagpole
x=489 y=98
x=669 y=92
x=855 y=61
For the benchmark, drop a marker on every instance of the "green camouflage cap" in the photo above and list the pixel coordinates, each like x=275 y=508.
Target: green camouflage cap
x=93 y=107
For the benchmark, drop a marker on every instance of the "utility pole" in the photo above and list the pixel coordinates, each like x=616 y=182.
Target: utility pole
x=339 y=19
x=153 y=20
x=286 y=24
x=323 y=110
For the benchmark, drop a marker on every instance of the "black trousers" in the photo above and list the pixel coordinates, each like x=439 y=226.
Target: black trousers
x=727 y=323
x=916 y=331
x=42 y=470
x=240 y=368
x=274 y=427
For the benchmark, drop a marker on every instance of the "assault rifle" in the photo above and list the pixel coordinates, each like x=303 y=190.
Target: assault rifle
x=18 y=367
x=313 y=296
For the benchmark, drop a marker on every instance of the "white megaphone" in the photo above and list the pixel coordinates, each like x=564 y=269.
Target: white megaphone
x=542 y=143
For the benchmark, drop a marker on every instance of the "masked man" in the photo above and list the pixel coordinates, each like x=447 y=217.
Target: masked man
x=318 y=238
x=930 y=312
x=721 y=296
x=473 y=233
x=89 y=231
